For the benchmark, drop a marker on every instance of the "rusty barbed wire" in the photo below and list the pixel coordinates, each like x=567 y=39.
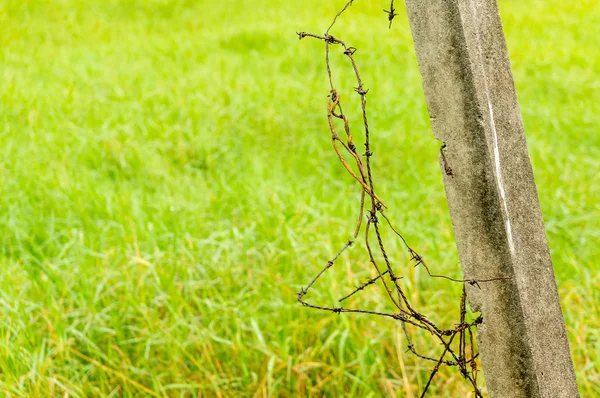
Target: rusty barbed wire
x=361 y=171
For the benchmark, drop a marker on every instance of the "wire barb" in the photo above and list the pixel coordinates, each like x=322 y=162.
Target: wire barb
x=391 y=13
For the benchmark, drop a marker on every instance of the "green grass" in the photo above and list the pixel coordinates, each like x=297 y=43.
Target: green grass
x=167 y=186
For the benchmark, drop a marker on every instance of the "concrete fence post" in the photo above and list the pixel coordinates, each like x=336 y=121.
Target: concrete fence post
x=492 y=197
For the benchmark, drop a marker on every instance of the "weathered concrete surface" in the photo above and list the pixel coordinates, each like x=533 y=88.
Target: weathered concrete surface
x=492 y=197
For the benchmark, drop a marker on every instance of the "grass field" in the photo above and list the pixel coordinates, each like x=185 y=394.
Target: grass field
x=167 y=186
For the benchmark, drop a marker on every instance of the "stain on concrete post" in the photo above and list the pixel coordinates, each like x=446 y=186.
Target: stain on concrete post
x=492 y=197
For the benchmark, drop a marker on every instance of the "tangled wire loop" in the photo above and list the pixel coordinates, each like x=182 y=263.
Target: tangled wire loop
x=345 y=148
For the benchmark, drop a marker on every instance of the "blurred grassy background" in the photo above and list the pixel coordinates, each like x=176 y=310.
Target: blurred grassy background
x=167 y=186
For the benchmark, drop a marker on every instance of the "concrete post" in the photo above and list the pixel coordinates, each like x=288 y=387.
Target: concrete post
x=492 y=197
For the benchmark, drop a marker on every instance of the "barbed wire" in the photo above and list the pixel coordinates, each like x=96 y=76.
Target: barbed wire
x=361 y=171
